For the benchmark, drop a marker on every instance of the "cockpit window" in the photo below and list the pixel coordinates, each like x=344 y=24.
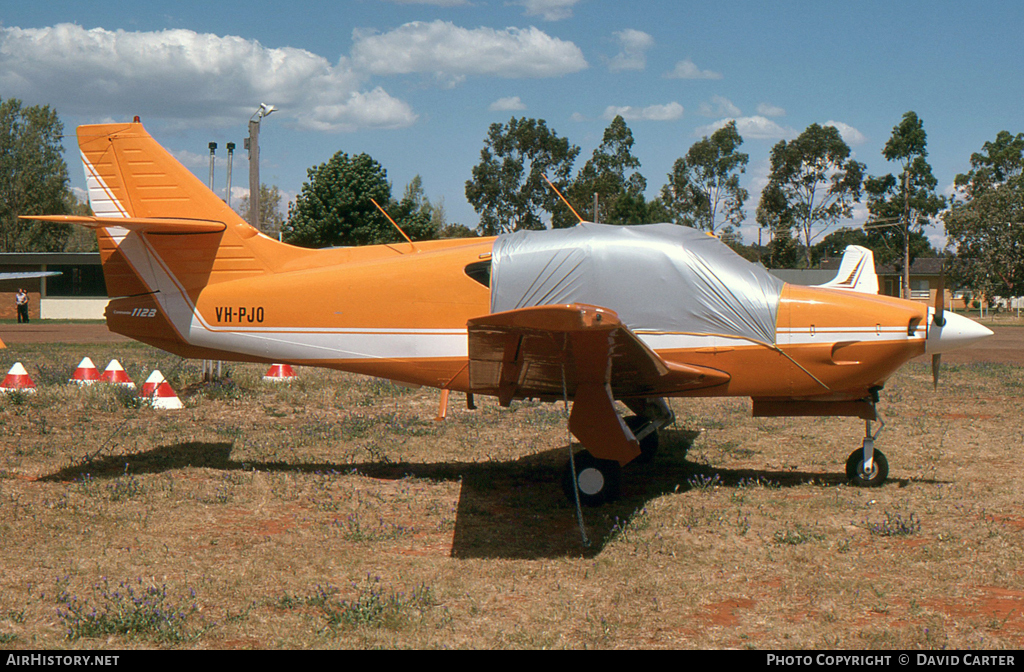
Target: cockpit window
x=480 y=271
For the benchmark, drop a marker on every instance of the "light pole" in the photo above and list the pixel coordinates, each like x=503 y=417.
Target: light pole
x=231 y=155
x=253 y=145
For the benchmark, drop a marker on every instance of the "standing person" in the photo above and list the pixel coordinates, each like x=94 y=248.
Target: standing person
x=21 y=299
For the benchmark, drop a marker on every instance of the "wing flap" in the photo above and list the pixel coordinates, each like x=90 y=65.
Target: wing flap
x=545 y=352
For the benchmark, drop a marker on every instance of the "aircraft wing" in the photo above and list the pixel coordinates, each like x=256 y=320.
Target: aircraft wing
x=533 y=352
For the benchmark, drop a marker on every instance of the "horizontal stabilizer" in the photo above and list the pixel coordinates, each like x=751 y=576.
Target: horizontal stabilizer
x=143 y=224
x=28 y=274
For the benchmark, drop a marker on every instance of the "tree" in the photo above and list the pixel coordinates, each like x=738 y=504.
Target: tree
x=987 y=233
x=703 y=189
x=33 y=178
x=1002 y=160
x=334 y=206
x=812 y=184
x=908 y=202
x=507 y=188
x=271 y=219
x=611 y=175
x=986 y=225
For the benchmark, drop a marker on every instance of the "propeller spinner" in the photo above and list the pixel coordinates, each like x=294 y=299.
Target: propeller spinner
x=949 y=331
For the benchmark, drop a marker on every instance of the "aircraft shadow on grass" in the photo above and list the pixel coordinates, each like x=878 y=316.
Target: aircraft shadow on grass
x=511 y=509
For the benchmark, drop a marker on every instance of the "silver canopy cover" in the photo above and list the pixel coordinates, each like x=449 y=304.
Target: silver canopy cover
x=659 y=278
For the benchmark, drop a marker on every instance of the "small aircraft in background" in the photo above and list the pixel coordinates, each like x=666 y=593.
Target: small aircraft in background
x=591 y=314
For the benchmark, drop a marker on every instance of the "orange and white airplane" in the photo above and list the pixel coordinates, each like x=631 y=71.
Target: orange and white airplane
x=591 y=314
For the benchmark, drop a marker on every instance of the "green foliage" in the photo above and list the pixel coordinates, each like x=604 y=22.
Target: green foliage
x=987 y=233
x=999 y=161
x=611 y=174
x=812 y=185
x=271 y=219
x=33 y=178
x=508 y=187
x=986 y=225
x=131 y=609
x=703 y=189
x=887 y=249
x=907 y=202
x=335 y=207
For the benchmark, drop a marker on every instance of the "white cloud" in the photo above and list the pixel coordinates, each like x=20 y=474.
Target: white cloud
x=766 y=110
x=549 y=10
x=755 y=128
x=507 y=104
x=722 y=107
x=576 y=116
x=448 y=51
x=850 y=134
x=668 y=112
x=688 y=70
x=189 y=77
x=633 y=55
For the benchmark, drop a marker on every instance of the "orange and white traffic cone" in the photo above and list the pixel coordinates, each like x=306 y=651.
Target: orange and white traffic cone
x=86 y=373
x=159 y=393
x=115 y=374
x=279 y=373
x=17 y=379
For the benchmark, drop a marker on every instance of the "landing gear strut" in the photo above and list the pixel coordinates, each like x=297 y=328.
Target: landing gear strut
x=597 y=480
x=867 y=467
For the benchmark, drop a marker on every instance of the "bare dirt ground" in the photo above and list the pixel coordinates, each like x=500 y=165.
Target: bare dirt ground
x=334 y=512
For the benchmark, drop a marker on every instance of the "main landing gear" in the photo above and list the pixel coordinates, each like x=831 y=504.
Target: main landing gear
x=597 y=480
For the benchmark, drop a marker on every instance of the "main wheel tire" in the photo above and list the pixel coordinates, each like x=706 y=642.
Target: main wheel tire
x=648 y=444
x=596 y=480
x=864 y=479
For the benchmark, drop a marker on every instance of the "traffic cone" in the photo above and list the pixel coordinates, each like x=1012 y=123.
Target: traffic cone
x=86 y=373
x=279 y=373
x=17 y=379
x=115 y=374
x=158 y=392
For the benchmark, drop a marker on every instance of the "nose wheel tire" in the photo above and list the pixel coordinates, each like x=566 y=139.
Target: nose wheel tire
x=871 y=478
x=596 y=480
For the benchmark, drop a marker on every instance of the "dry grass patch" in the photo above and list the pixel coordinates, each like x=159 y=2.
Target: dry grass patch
x=334 y=512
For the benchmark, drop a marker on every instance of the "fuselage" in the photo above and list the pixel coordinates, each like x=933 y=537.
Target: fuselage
x=400 y=312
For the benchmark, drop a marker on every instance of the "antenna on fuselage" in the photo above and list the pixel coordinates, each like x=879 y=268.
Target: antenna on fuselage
x=384 y=212
x=564 y=200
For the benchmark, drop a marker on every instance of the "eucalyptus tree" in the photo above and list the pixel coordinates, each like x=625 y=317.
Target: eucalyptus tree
x=904 y=204
x=703 y=189
x=33 y=178
x=508 y=188
x=812 y=184
x=985 y=223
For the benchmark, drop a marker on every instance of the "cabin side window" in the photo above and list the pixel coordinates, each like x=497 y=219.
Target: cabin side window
x=480 y=271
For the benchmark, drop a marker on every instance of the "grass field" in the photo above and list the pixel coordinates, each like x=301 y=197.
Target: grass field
x=334 y=512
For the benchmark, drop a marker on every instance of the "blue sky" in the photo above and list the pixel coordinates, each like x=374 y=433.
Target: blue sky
x=416 y=83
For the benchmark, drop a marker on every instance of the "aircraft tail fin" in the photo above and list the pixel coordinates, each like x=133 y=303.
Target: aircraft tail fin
x=163 y=237
x=856 y=271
